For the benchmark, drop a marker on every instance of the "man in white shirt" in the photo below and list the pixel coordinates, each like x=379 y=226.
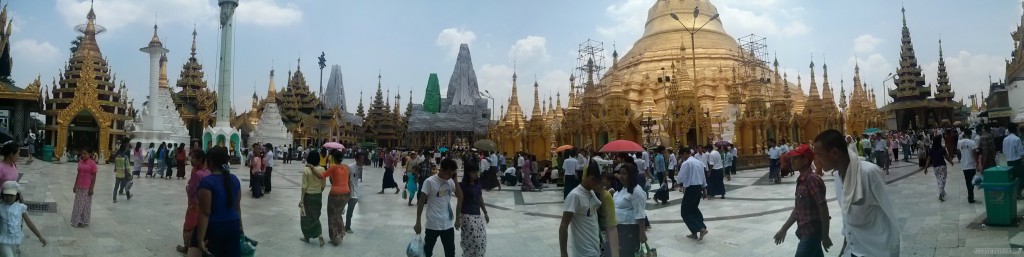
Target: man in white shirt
x=355 y=176
x=1013 y=149
x=869 y=220
x=734 y=152
x=691 y=177
x=717 y=186
x=969 y=150
x=436 y=195
x=773 y=162
x=570 y=166
x=671 y=166
x=268 y=167
x=579 y=213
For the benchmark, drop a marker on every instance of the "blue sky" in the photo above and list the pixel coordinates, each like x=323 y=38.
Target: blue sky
x=406 y=40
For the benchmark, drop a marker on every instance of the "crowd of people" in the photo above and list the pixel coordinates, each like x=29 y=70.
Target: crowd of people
x=605 y=194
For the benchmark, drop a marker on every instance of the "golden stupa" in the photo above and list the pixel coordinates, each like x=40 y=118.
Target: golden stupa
x=667 y=42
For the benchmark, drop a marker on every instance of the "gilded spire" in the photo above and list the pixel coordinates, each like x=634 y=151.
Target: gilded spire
x=814 y=86
x=194 y=34
x=826 y=90
x=537 y=112
x=163 y=70
x=359 y=109
x=271 y=90
x=156 y=39
x=842 y=95
x=88 y=47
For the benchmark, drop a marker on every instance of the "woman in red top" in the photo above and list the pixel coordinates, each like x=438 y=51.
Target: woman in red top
x=338 y=198
x=179 y=159
x=199 y=171
x=84 y=183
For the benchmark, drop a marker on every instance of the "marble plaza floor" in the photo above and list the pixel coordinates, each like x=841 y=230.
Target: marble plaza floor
x=522 y=223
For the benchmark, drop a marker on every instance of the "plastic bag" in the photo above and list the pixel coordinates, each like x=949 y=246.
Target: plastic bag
x=248 y=246
x=647 y=251
x=415 y=248
x=978 y=178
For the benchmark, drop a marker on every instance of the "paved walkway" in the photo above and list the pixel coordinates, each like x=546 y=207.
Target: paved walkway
x=522 y=223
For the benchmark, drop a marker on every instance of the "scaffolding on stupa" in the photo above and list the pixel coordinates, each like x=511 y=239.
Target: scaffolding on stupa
x=590 y=50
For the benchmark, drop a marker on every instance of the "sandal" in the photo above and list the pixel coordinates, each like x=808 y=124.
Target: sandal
x=181 y=249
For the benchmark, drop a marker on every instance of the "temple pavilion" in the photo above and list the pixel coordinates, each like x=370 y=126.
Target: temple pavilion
x=86 y=111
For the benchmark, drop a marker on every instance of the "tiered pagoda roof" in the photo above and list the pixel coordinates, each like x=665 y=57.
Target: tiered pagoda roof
x=379 y=122
x=944 y=90
x=910 y=84
x=297 y=102
x=194 y=99
x=87 y=86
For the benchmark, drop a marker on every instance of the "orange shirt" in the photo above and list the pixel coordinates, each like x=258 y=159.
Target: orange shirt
x=339 y=178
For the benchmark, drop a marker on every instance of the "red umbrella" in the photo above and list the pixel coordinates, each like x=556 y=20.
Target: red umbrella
x=621 y=146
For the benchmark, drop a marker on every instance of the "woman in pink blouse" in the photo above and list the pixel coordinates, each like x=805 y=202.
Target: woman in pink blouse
x=84 y=184
x=9 y=167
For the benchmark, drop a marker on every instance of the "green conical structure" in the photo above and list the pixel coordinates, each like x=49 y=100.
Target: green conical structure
x=432 y=100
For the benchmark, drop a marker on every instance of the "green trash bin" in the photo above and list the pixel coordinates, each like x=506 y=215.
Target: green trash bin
x=47 y=153
x=1000 y=202
x=998 y=174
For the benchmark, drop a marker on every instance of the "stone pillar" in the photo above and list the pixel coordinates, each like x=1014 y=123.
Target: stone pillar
x=227 y=11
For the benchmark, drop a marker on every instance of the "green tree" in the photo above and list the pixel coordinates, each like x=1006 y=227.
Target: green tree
x=76 y=43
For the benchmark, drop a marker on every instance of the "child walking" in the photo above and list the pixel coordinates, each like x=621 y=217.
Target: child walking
x=11 y=215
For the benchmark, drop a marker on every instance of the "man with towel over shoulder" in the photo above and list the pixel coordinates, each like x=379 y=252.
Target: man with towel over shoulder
x=869 y=220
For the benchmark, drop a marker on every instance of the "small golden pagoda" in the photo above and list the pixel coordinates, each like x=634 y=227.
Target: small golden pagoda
x=509 y=133
x=194 y=101
x=379 y=125
x=87 y=110
x=15 y=103
x=538 y=134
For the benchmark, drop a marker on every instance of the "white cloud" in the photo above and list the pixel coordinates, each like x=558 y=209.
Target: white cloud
x=495 y=79
x=115 y=14
x=451 y=38
x=626 y=18
x=865 y=43
x=529 y=48
x=968 y=72
x=34 y=52
x=776 y=21
x=268 y=13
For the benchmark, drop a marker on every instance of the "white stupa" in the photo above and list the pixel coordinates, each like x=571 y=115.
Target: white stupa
x=270 y=129
x=160 y=121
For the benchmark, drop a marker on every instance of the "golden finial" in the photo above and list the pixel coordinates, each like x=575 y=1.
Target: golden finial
x=194 y=34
